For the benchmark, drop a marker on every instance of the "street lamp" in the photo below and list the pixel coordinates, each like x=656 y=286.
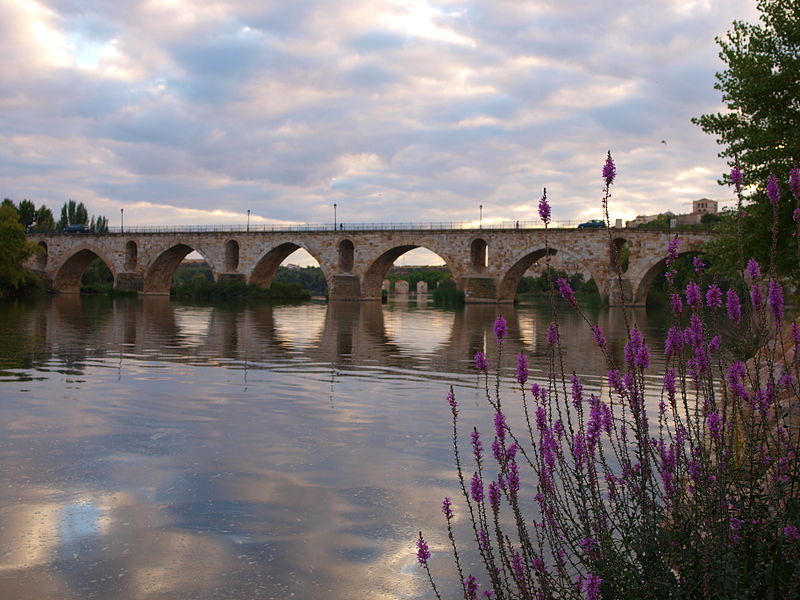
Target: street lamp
x=248 y=219
x=480 y=220
x=334 y=216
x=122 y=220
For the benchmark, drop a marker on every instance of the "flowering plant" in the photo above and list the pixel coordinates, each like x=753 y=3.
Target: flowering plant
x=610 y=495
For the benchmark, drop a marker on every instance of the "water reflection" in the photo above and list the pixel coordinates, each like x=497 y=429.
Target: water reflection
x=154 y=450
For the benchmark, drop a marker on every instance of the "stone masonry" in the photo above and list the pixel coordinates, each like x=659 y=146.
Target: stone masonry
x=486 y=264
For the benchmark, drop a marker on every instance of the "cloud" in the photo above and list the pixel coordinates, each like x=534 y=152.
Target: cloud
x=395 y=110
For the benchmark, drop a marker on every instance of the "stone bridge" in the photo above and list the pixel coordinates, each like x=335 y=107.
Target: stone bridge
x=487 y=264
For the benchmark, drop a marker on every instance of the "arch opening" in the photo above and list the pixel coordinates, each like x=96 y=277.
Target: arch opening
x=346 y=255
x=620 y=255
x=528 y=278
x=652 y=288
x=84 y=271
x=163 y=272
x=290 y=264
x=41 y=259
x=231 y=256
x=131 y=255
x=408 y=271
x=479 y=255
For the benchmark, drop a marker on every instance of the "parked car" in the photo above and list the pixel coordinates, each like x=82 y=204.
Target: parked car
x=593 y=224
x=78 y=228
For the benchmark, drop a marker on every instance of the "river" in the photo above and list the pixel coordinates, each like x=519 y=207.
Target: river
x=153 y=450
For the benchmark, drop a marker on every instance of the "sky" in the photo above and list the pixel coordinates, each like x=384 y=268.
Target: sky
x=192 y=113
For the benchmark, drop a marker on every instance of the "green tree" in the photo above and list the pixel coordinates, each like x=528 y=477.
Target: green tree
x=27 y=214
x=73 y=213
x=14 y=249
x=44 y=221
x=760 y=128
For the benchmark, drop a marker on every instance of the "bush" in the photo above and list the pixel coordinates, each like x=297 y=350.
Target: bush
x=698 y=497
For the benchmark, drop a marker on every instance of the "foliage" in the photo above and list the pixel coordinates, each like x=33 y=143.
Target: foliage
x=308 y=278
x=541 y=285
x=97 y=278
x=14 y=250
x=693 y=493
x=201 y=289
x=447 y=294
x=73 y=213
x=760 y=130
x=431 y=275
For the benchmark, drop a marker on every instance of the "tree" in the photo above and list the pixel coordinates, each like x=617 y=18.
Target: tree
x=14 y=249
x=44 y=220
x=73 y=213
x=760 y=130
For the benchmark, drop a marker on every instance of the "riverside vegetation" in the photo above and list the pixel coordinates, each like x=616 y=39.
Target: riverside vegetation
x=598 y=494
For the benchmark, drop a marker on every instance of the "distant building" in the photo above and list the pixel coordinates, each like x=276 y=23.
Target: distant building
x=703 y=206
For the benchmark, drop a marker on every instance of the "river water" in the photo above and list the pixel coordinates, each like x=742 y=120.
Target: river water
x=152 y=450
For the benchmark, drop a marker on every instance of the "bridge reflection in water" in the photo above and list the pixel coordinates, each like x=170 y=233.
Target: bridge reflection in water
x=339 y=333
x=152 y=450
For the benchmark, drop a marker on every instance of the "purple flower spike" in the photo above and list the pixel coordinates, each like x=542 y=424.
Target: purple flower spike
x=714 y=424
x=753 y=269
x=737 y=179
x=476 y=488
x=471 y=587
x=494 y=496
x=544 y=208
x=477 y=446
x=775 y=298
x=694 y=296
x=565 y=289
x=698 y=264
x=592 y=586
x=423 y=553
x=609 y=169
x=500 y=425
x=714 y=296
x=552 y=334
x=522 y=368
x=480 y=362
x=451 y=400
x=500 y=328
x=733 y=305
x=773 y=189
x=677 y=303
x=447 y=508
x=794 y=182
x=599 y=338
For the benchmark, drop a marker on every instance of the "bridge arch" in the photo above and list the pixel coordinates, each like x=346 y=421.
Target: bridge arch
x=379 y=267
x=266 y=267
x=68 y=275
x=650 y=274
x=158 y=277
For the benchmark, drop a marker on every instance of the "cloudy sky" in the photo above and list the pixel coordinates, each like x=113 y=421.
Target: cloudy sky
x=188 y=112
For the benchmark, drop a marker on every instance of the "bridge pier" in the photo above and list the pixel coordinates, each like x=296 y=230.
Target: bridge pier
x=478 y=290
x=611 y=290
x=133 y=282
x=346 y=287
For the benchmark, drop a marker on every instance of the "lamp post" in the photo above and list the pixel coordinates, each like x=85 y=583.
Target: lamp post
x=122 y=220
x=334 y=216
x=480 y=219
x=248 y=219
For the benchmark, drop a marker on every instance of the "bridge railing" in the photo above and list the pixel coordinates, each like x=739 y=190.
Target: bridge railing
x=344 y=226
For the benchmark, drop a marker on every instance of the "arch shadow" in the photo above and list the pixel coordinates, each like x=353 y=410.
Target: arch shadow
x=643 y=289
x=158 y=277
x=267 y=265
x=68 y=276
x=377 y=270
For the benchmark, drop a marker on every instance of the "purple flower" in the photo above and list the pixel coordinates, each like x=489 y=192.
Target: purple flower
x=714 y=424
x=698 y=264
x=773 y=189
x=756 y=296
x=477 y=446
x=476 y=488
x=565 y=289
x=500 y=328
x=677 y=303
x=544 y=208
x=552 y=334
x=609 y=169
x=480 y=361
x=447 y=508
x=513 y=477
x=669 y=382
x=522 y=368
x=794 y=182
x=636 y=351
x=471 y=587
x=775 y=299
x=753 y=270
x=484 y=539
x=737 y=179
x=494 y=496
x=500 y=425
x=791 y=533
x=674 y=341
x=577 y=391
x=715 y=343
x=451 y=400
x=713 y=296
x=591 y=584
x=672 y=250
x=694 y=297
x=599 y=338
x=615 y=381
x=733 y=305
x=423 y=553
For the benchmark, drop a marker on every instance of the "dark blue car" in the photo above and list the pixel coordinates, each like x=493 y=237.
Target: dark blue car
x=593 y=224
x=79 y=228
